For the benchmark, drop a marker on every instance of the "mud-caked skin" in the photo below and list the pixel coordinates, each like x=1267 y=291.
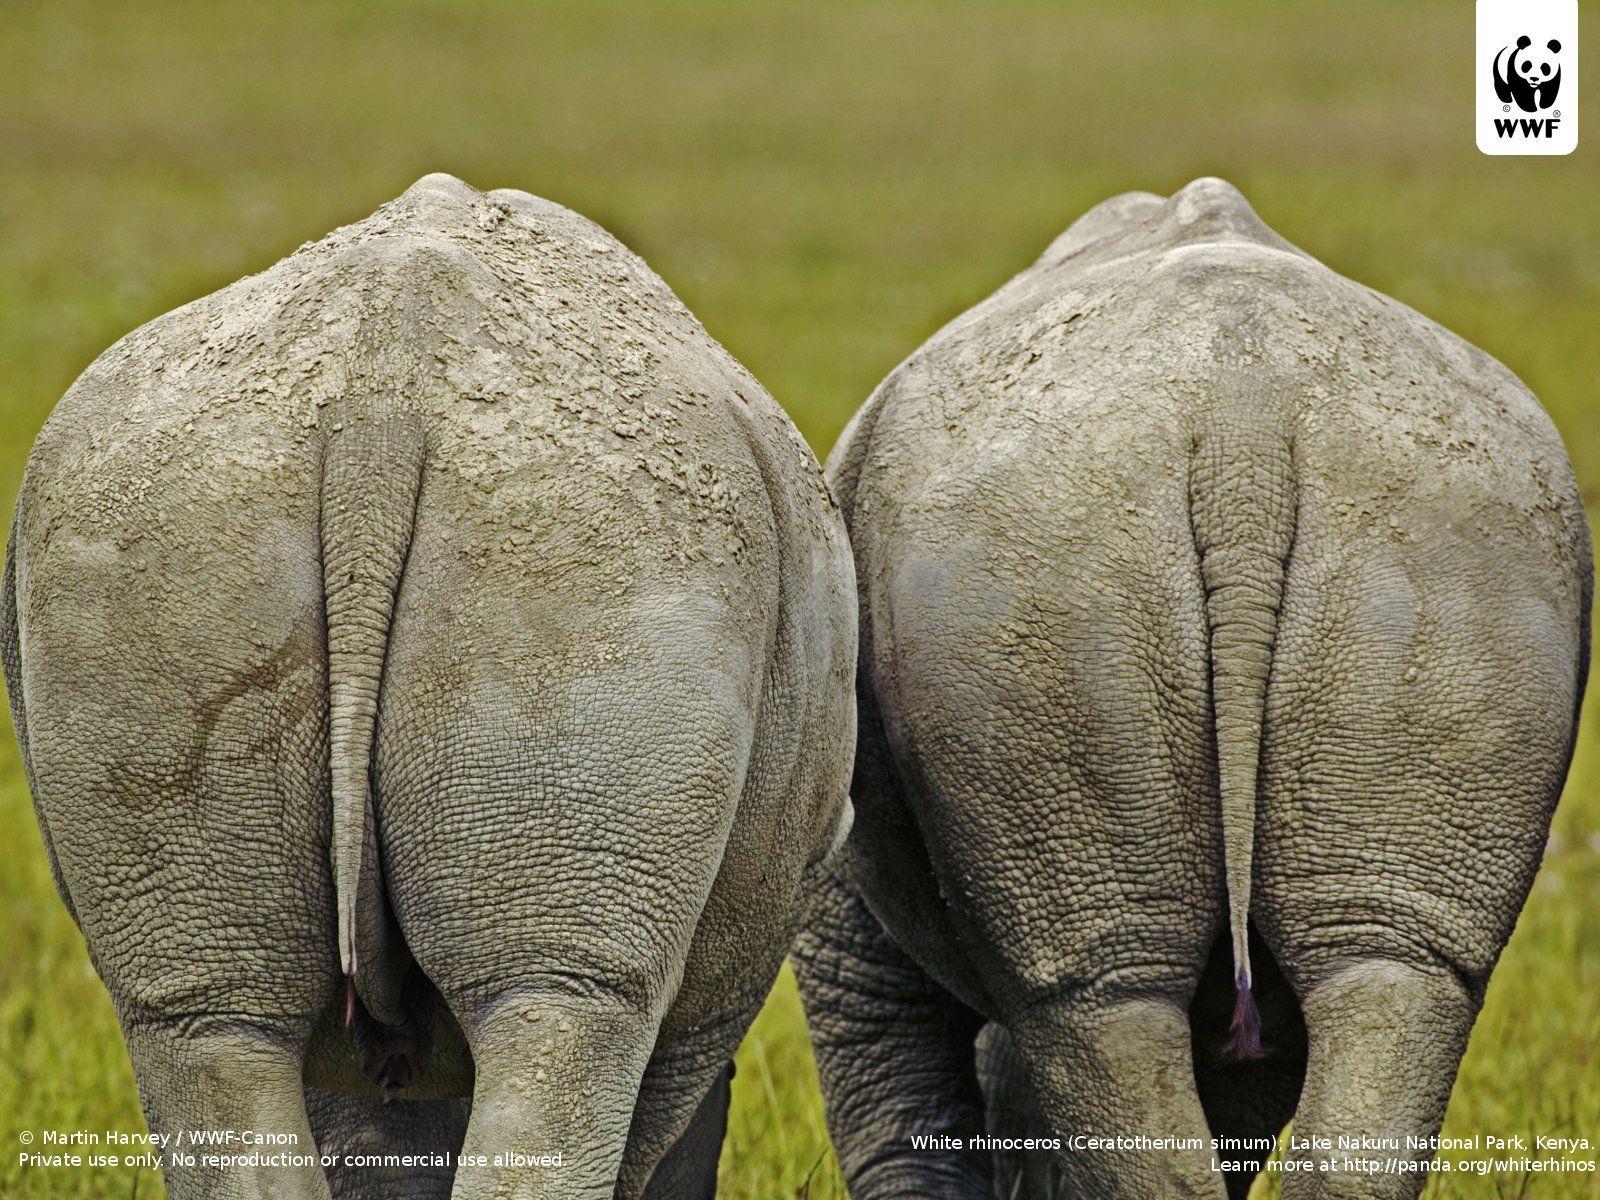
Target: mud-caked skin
x=1224 y=625
x=444 y=612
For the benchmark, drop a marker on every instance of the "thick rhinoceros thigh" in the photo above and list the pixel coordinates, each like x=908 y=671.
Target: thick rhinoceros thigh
x=1420 y=719
x=1039 y=659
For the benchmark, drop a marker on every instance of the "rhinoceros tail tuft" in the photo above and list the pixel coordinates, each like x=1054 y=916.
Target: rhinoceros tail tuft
x=1242 y=505
x=1244 y=1040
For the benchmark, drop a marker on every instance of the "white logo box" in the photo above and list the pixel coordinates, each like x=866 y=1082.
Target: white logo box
x=1527 y=92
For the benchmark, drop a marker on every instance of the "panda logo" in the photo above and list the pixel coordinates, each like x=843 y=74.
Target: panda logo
x=1530 y=79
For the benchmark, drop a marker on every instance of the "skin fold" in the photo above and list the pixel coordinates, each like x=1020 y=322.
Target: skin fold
x=1224 y=626
x=432 y=659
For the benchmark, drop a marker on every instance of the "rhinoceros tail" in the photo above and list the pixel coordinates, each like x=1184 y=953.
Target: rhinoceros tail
x=1242 y=506
x=371 y=478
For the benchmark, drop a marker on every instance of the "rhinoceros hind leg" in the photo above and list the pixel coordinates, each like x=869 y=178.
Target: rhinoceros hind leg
x=351 y=1127
x=1386 y=1040
x=1118 y=1065
x=688 y=1170
x=895 y=1054
x=224 y=1075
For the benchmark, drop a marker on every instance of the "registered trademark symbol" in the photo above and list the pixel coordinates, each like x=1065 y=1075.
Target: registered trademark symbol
x=1505 y=108
x=1556 y=113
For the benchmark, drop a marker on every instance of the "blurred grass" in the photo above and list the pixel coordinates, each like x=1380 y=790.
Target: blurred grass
x=824 y=184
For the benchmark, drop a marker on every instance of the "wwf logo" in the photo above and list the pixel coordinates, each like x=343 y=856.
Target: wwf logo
x=1531 y=79
x=1527 y=77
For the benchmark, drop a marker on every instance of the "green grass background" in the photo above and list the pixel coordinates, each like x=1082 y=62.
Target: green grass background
x=824 y=183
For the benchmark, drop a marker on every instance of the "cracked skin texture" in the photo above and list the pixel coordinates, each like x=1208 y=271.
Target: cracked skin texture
x=1190 y=573
x=459 y=507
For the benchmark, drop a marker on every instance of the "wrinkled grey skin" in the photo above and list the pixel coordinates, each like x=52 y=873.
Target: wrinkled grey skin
x=1178 y=548
x=461 y=509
